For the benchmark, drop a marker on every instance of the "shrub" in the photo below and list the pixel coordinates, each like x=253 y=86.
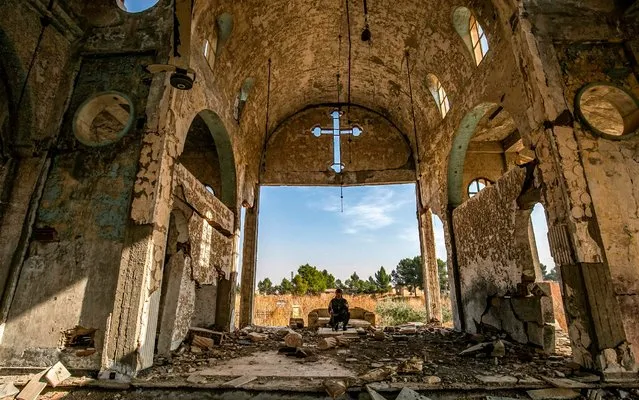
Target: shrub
x=398 y=312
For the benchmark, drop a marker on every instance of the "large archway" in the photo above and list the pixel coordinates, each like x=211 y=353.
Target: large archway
x=208 y=155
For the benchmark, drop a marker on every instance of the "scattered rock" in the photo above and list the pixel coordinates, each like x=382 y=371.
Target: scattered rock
x=478 y=348
x=412 y=366
x=497 y=379
x=379 y=335
x=433 y=380
x=410 y=394
x=351 y=360
x=293 y=339
x=499 y=349
x=553 y=394
x=196 y=379
x=378 y=374
x=258 y=337
x=335 y=388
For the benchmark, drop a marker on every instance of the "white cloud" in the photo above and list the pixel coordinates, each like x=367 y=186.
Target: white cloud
x=373 y=211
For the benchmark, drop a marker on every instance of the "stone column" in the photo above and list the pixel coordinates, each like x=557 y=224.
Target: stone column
x=249 y=262
x=432 y=292
x=595 y=324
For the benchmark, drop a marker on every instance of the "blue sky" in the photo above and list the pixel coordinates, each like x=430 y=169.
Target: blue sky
x=138 y=5
x=378 y=227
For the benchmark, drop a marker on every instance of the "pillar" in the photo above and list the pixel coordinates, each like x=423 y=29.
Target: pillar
x=432 y=291
x=249 y=262
x=595 y=326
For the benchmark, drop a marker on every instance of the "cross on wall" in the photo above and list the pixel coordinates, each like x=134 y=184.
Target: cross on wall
x=337 y=133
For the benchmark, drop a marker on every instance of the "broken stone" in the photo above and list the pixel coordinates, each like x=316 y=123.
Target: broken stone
x=8 y=390
x=377 y=374
x=379 y=335
x=334 y=388
x=552 y=394
x=196 y=350
x=497 y=379
x=597 y=394
x=258 y=337
x=433 y=380
x=202 y=342
x=57 y=374
x=196 y=379
x=373 y=394
x=241 y=381
x=408 y=330
x=410 y=394
x=564 y=383
x=478 y=348
x=331 y=342
x=293 y=339
x=499 y=349
x=412 y=366
x=351 y=360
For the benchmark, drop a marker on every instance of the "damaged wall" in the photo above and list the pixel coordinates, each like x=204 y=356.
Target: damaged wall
x=493 y=250
x=610 y=167
x=79 y=230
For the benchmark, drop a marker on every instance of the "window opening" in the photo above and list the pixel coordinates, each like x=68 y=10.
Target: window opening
x=439 y=94
x=136 y=6
x=478 y=40
x=477 y=186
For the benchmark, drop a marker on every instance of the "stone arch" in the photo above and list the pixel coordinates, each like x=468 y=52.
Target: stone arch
x=208 y=144
x=458 y=150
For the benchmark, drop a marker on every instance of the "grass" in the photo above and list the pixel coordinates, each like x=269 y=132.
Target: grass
x=275 y=310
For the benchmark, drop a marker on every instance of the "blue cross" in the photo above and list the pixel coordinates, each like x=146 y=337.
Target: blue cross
x=337 y=133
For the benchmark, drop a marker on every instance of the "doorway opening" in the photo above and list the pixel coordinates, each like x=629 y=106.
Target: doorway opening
x=308 y=247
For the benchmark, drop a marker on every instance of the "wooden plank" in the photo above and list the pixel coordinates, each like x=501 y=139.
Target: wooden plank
x=33 y=389
x=242 y=380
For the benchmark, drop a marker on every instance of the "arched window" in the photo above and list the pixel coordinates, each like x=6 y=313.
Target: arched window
x=471 y=32
x=209 y=50
x=438 y=92
x=477 y=185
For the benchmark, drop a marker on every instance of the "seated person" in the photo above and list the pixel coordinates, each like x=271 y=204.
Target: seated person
x=338 y=309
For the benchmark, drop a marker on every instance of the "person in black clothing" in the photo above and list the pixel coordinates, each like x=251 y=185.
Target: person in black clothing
x=338 y=308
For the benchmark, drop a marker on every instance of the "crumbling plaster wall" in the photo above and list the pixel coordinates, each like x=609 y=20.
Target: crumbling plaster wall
x=491 y=235
x=85 y=202
x=36 y=104
x=610 y=170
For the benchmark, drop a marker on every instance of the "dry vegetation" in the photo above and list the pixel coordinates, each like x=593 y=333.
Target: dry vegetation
x=275 y=310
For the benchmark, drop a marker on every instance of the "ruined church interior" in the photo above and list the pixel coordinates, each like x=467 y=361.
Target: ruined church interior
x=135 y=137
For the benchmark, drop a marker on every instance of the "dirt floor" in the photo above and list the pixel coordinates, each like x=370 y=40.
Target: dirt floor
x=427 y=360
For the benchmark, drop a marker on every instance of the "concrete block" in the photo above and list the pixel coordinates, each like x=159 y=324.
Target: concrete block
x=528 y=309
x=205 y=304
x=57 y=374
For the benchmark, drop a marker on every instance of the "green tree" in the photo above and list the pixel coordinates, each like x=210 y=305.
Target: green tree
x=314 y=278
x=354 y=284
x=409 y=273
x=442 y=271
x=383 y=280
x=300 y=286
x=286 y=287
x=265 y=286
x=330 y=280
x=549 y=275
x=339 y=284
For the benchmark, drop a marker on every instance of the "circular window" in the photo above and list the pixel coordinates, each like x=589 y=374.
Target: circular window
x=103 y=119
x=608 y=111
x=135 y=6
x=477 y=186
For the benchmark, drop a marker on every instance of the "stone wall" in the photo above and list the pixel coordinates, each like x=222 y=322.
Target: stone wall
x=493 y=250
x=79 y=229
x=610 y=169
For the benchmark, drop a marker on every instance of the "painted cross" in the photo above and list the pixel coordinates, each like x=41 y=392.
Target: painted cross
x=337 y=133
